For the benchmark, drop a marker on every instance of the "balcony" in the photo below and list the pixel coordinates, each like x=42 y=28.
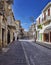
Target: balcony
x=10 y=23
x=9 y=1
x=48 y=18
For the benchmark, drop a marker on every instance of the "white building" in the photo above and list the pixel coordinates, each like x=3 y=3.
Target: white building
x=44 y=24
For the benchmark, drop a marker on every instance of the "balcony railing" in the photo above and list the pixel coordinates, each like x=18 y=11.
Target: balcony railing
x=47 y=18
x=10 y=22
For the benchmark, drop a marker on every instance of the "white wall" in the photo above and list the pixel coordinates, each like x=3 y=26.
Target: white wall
x=47 y=11
x=50 y=10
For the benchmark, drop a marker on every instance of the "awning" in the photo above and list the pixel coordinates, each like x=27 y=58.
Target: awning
x=43 y=31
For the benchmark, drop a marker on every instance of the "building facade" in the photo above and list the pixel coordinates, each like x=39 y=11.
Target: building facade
x=44 y=24
x=7 y=25
x=39 y=27
x=32 y=31
x=17 y=32
x=21 y=34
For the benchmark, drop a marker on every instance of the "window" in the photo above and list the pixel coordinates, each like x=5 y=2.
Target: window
x=44 y=16
x=39 y=20
x=49 y=12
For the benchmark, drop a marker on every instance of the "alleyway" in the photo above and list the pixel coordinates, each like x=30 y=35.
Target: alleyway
x=26 y=53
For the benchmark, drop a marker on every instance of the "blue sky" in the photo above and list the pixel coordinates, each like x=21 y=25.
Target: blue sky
x=24 y=9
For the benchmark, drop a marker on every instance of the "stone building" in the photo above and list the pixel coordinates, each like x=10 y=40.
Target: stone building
x=18 y=25
x=21 y=33
x=19 y=30
x=7 y=24
x=32 y=31
x=26 y=34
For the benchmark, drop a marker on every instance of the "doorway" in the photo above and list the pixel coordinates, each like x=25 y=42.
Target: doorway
x=8 y=37
x=2 y=37
x=46 y=37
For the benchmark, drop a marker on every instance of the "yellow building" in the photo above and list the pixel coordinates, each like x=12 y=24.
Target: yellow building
x=7 y=24
x=18 y=26
x=3 y=24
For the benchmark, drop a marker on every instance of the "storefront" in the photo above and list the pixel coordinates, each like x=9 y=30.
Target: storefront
x=46 y=37
x=46 y=33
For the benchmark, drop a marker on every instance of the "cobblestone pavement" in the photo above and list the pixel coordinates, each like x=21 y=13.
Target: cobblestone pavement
x=36 y=54
x=14 y=56
x=26 y=53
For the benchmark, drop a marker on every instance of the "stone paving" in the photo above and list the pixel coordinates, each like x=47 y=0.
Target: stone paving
x=37 y=55
x=24 y=52
x=14 y=56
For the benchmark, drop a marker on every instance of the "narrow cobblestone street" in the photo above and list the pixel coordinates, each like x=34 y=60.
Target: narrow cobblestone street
x=26 y=53
x=25 y=32
x=14 y=56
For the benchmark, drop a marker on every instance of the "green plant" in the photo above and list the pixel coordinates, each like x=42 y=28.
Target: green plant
x=40 y=26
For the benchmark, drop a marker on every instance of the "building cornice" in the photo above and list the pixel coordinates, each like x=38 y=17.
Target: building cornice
x=49 y=4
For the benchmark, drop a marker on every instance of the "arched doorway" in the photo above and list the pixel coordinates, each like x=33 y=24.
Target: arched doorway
x=8 y=37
